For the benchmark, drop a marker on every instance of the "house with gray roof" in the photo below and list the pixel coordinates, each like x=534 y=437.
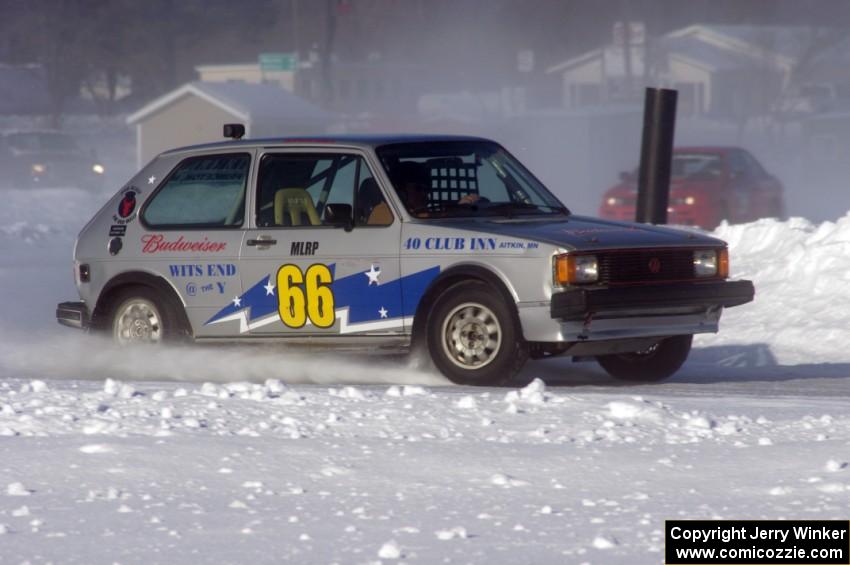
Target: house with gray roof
x=726 y=71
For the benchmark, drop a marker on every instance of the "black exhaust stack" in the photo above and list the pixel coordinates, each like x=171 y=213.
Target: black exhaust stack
x=656 y=155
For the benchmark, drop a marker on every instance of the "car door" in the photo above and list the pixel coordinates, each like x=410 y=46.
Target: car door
x=311 y=263
x=190 y=232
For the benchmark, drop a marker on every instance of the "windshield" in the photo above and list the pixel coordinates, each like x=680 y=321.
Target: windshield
x=42 y=142
x=440 y=179
x=696 y=166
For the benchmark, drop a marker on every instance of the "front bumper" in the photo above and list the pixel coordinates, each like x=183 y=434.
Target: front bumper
x=585 y=314
x=73 y=315
x=575 y=305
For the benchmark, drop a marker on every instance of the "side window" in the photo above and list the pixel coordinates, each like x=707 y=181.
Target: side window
x=755 y=167
x=302 y=189
x=342 y=187
x=205 y=191
x=737 y=164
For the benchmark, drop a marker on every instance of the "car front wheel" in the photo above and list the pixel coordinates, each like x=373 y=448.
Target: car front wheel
x=651 y=365
x=473 y=337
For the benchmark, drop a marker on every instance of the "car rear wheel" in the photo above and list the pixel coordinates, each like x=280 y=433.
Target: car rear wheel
x=651 y=365
x=473 y=337
x=141 y=316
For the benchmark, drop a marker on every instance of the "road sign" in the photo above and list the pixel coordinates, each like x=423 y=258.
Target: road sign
x=278 y=61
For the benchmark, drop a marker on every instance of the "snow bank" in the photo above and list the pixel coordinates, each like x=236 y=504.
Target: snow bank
x=801 y=272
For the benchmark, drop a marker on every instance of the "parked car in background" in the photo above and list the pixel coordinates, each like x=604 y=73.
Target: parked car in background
x=707 y=185
x=47 y=158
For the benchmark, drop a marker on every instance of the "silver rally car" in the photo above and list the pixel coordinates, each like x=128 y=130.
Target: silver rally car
x=443 y=243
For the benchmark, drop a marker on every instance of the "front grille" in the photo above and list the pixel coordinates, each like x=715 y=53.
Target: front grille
x=645 y=265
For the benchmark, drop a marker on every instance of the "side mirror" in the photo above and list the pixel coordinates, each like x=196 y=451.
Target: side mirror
x=340 y=216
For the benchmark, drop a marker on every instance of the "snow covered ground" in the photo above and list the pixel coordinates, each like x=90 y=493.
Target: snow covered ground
x=199 y=455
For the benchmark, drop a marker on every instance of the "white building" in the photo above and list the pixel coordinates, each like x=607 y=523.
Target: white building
x=196 y=112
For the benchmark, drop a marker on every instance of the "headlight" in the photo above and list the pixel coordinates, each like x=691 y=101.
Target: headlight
x=711 y=263
x=614 y=201
x=38 y=168
x=686 y=200
x=576 y=269
x=98 y=169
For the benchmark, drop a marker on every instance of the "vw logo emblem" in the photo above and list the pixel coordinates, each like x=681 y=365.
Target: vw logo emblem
x=655 y=265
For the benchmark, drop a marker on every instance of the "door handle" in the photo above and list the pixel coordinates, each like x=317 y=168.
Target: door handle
x=261 y=242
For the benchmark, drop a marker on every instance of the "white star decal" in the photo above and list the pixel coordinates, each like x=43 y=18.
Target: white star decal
x=269 y=288
x=237 y=302
x=151 y=180
x=383 y=312
x=373 y=275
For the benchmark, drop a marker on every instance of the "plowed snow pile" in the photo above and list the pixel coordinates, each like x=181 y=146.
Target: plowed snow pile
x=802 y=277
x=104 y=458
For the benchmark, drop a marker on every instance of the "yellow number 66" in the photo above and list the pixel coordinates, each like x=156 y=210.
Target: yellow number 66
x=305 y=295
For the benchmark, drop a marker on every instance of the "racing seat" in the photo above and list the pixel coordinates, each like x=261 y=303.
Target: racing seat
x=293 y=203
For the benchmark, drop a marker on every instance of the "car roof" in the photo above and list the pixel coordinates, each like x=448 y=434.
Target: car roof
x=360 y=141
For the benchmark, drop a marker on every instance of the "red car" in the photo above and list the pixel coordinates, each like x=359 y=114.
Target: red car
x=707 y=185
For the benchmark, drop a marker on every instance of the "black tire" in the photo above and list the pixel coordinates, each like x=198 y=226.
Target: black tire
x=655 y=364
x=140 y=315
x=474 y=312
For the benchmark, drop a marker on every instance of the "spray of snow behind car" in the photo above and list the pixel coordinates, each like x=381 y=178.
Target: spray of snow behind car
x=92 y=357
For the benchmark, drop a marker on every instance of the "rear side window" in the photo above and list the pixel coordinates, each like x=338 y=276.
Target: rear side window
x=202 y=192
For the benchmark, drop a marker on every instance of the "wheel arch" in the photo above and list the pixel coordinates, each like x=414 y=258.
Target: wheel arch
x=161 y=285
x=452 y=276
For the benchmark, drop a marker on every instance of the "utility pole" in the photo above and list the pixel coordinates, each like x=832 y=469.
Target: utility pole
x=330 y=33
x=296 y=40
x=627 y=47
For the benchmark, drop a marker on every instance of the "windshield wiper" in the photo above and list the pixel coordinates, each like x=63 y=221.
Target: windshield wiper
x=559 y=209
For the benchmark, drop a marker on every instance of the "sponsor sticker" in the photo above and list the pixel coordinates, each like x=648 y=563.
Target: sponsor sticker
x=158 y=243
x=469 y=244
x=126 y=211
x=196 y=270
x=304 y=248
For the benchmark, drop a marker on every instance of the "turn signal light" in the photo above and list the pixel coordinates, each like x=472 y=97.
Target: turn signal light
x=576 y=269
x=723 y=263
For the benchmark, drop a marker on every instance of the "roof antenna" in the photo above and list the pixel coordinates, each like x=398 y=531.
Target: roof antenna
x=234 y=131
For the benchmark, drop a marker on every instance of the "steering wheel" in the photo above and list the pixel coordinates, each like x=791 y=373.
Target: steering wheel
x=480 y=200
